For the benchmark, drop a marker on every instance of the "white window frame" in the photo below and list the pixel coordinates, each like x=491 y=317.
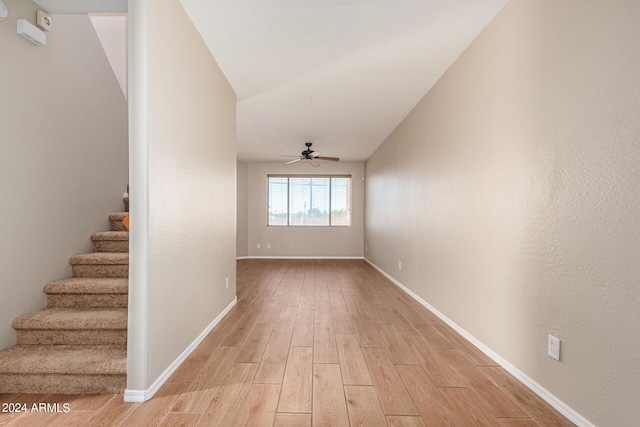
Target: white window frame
x=288 y=203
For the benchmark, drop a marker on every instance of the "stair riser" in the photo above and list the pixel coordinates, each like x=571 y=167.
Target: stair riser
x=100 y=270
x=62 y=383
x=117 y=225
x=72 y=337
x=111 y=246
x=88 y=300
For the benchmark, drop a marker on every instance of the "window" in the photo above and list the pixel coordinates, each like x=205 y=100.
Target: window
x=311 y=201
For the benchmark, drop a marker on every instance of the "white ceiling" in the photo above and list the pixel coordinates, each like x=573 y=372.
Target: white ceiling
x=339 y=73
x=365 y=64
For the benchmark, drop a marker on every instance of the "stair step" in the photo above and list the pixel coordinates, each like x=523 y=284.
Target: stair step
x=100 y=264
x=78 y=344
x=82 y=292
x=111 y=241
x=63 y=369
x=116 y=221
x=58 y=326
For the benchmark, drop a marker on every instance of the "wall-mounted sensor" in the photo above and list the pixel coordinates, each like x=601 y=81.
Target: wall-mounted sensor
x=32 y=33
x=43 y=20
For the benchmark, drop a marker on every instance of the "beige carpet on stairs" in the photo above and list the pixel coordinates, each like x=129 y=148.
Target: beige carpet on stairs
x=77 y=344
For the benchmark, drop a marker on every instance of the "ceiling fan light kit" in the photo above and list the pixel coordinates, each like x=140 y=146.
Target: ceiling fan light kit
x=311 y=156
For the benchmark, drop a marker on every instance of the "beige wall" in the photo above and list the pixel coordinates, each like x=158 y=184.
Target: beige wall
x=242 y=212
x=183 y=205
x=511 y=196
x=63 y=155
x=304 y=241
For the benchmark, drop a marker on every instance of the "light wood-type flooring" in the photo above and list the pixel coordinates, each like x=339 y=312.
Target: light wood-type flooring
x=318 y=343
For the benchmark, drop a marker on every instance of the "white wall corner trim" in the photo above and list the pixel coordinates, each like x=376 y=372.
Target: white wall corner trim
x=144 y=395
x=560 y=406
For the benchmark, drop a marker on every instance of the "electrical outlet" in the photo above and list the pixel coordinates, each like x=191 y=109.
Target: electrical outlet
x=553 y=347
x=258 y=246
x=226 y=281
x=268 y=245
x=399 y=265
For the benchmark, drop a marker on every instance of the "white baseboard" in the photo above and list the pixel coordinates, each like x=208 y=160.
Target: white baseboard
x=144 y=395
x=560 y=406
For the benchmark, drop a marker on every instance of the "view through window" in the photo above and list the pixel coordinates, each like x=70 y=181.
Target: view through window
x=311 y=200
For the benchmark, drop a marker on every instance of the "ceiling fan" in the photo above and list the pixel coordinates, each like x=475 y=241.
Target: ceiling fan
x=311 y=156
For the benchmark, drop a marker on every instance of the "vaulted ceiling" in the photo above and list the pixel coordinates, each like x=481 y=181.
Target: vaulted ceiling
x=339 y=73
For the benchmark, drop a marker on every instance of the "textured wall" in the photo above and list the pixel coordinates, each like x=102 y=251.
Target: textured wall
x=183 y=188
x=63 y=155
x=304 y=241
x=511 y=196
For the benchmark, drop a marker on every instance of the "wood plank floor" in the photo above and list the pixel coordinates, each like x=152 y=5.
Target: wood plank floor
x=318 y=343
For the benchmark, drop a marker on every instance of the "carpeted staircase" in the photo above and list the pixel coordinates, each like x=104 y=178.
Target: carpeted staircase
x=78 y=344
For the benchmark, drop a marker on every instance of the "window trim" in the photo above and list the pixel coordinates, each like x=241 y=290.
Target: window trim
x=349 y=197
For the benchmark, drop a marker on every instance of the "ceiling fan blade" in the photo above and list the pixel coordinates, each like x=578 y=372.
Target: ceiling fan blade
x=292 y=161
x=333 y=159
x=290 y=155
x=316 y=154
x=314 y=163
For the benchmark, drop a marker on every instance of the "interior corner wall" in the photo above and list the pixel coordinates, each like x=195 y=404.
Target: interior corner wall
x=63 y=155
x=511 y=196
x=183 y=190
x=242 y=211
x=305 y=242
x=112 y=33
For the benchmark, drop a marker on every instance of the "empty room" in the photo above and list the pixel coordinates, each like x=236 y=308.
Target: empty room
x=339 y=213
